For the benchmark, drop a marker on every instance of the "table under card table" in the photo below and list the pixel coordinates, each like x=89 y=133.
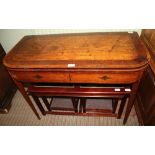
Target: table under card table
x=86 y=58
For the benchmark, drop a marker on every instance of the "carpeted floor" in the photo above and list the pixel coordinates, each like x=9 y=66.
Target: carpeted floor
x=21 y=115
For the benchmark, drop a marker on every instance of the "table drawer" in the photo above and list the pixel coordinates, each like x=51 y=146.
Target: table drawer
x=105 y=78
x=76 y=77
x=41 y=76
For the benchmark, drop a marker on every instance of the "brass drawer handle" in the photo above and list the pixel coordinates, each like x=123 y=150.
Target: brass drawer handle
x=105 y=77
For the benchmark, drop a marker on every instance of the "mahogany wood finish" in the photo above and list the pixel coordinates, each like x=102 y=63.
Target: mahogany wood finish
x=106 y=114
x=122 y=105
x=77 y=94
x=148 y=37
x=95 y=111
x=48 y=106
x=83 y=103
x=93 y=58
x=79 y=76
x=81 y=111
x=145 y=101
x=114 y=105
x=37 y=101
x=75 y=104
x=7 y=87
x=25 y=95
x=116 y=50
x=131 y=100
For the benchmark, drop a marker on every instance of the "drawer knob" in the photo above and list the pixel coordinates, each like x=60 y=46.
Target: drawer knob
x=105 y=77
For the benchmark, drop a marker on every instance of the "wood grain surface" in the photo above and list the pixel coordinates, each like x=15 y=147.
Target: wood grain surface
x=88 y=50
x=93 y=58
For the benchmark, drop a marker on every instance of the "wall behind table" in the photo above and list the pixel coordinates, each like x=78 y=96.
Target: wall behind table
x=9 y=37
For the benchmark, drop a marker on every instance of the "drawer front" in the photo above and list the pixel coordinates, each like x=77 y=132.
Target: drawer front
x=105 y=78
x=41 y=76
x=76 y=77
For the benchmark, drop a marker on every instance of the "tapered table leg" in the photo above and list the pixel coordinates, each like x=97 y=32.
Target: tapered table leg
x=81 y=107
x=131 y=100
x=25 y=95
x=114 y=105
x=47 y=104
x=75 y=104
x=36 y=99
x=121 y=108
x=83 y=103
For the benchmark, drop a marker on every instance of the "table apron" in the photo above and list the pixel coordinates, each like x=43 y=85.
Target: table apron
x=101 y=77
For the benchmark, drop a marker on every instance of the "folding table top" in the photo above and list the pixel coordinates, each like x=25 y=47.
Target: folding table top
x=85 y=50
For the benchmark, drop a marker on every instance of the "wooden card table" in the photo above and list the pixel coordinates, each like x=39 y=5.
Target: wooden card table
x=88 y=58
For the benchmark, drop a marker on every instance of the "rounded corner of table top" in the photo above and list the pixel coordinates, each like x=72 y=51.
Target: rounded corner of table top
x=22 y=56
